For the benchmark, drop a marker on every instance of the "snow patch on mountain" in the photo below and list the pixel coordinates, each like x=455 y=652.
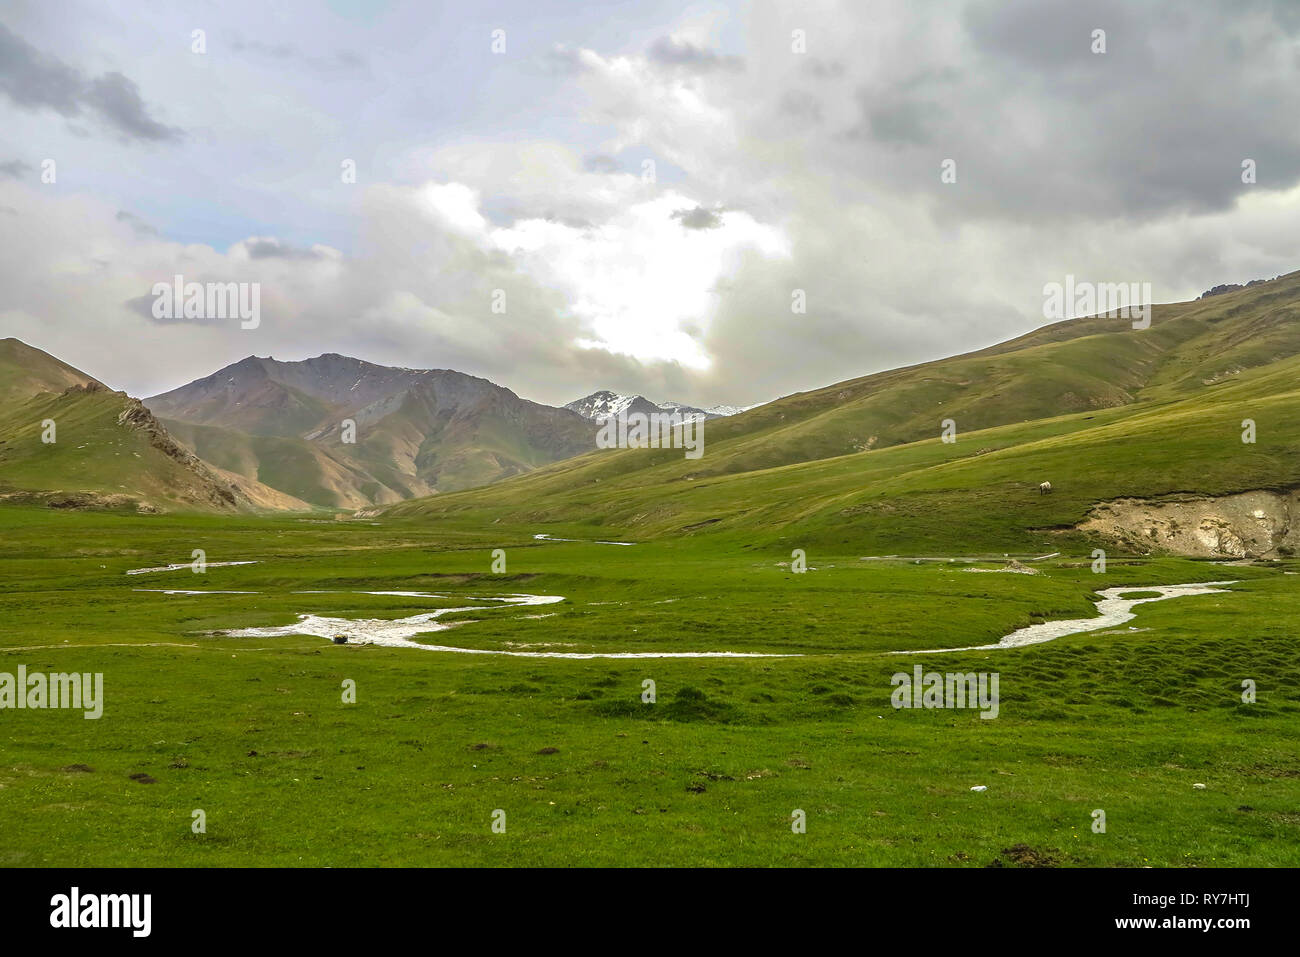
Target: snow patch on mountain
x=605 y=403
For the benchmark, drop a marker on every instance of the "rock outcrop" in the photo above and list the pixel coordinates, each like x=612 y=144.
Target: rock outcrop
x=1257 y=524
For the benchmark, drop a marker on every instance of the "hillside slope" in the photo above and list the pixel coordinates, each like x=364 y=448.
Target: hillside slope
x=1099 y=409
x=109 y=451
x=26 y=370
x=69 y=441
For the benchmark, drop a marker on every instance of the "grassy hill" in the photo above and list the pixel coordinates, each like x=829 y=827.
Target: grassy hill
x=1099 y=409
x=25 y=371
x=108 y=450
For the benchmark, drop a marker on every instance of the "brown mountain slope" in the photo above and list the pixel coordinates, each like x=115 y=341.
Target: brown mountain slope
x=337 y=431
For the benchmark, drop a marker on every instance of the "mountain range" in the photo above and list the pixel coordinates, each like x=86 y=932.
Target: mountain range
x=330 y=432
x=339 y=432
x=1185 y=434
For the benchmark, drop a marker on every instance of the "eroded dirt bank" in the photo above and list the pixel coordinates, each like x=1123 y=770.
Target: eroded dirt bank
x=1258 y=524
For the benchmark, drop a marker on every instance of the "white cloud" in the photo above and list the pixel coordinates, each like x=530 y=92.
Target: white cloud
x=641 y=280
x=816 y=171
x=455 y=206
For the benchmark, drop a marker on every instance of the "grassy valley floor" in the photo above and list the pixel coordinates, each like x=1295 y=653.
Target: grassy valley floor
x=255 y=733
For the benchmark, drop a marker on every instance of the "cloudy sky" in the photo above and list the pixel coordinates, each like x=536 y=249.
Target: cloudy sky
x=643 y=185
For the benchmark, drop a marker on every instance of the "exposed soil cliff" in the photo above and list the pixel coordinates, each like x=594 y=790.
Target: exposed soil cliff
x=1259 y=524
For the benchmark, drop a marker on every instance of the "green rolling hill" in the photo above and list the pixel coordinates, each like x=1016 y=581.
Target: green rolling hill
x=107 y=449
x=26 y=371
x=1102 y=411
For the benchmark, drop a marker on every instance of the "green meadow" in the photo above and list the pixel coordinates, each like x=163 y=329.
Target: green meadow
x=255 y=733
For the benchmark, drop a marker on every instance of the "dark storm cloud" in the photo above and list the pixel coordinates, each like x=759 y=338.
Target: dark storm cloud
x=600 y=163
x=698 y=218
x=13 y=169
x=34 y=80
x=277 y=249
x=142 y=306
x=903 y=122
x=117 y=99
x=1054 y=36
x=680 y=53
x=1041 y=126
x=138 y=225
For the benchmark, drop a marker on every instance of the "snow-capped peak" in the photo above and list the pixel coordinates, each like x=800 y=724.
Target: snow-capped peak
x=605 y=403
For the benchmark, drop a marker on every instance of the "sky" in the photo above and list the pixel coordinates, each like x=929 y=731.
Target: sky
x=570 y=196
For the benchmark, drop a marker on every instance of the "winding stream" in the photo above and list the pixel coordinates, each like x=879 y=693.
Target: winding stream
x=178 y=566
x=551 y=538
x=398 y=632
x=1112 y=609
